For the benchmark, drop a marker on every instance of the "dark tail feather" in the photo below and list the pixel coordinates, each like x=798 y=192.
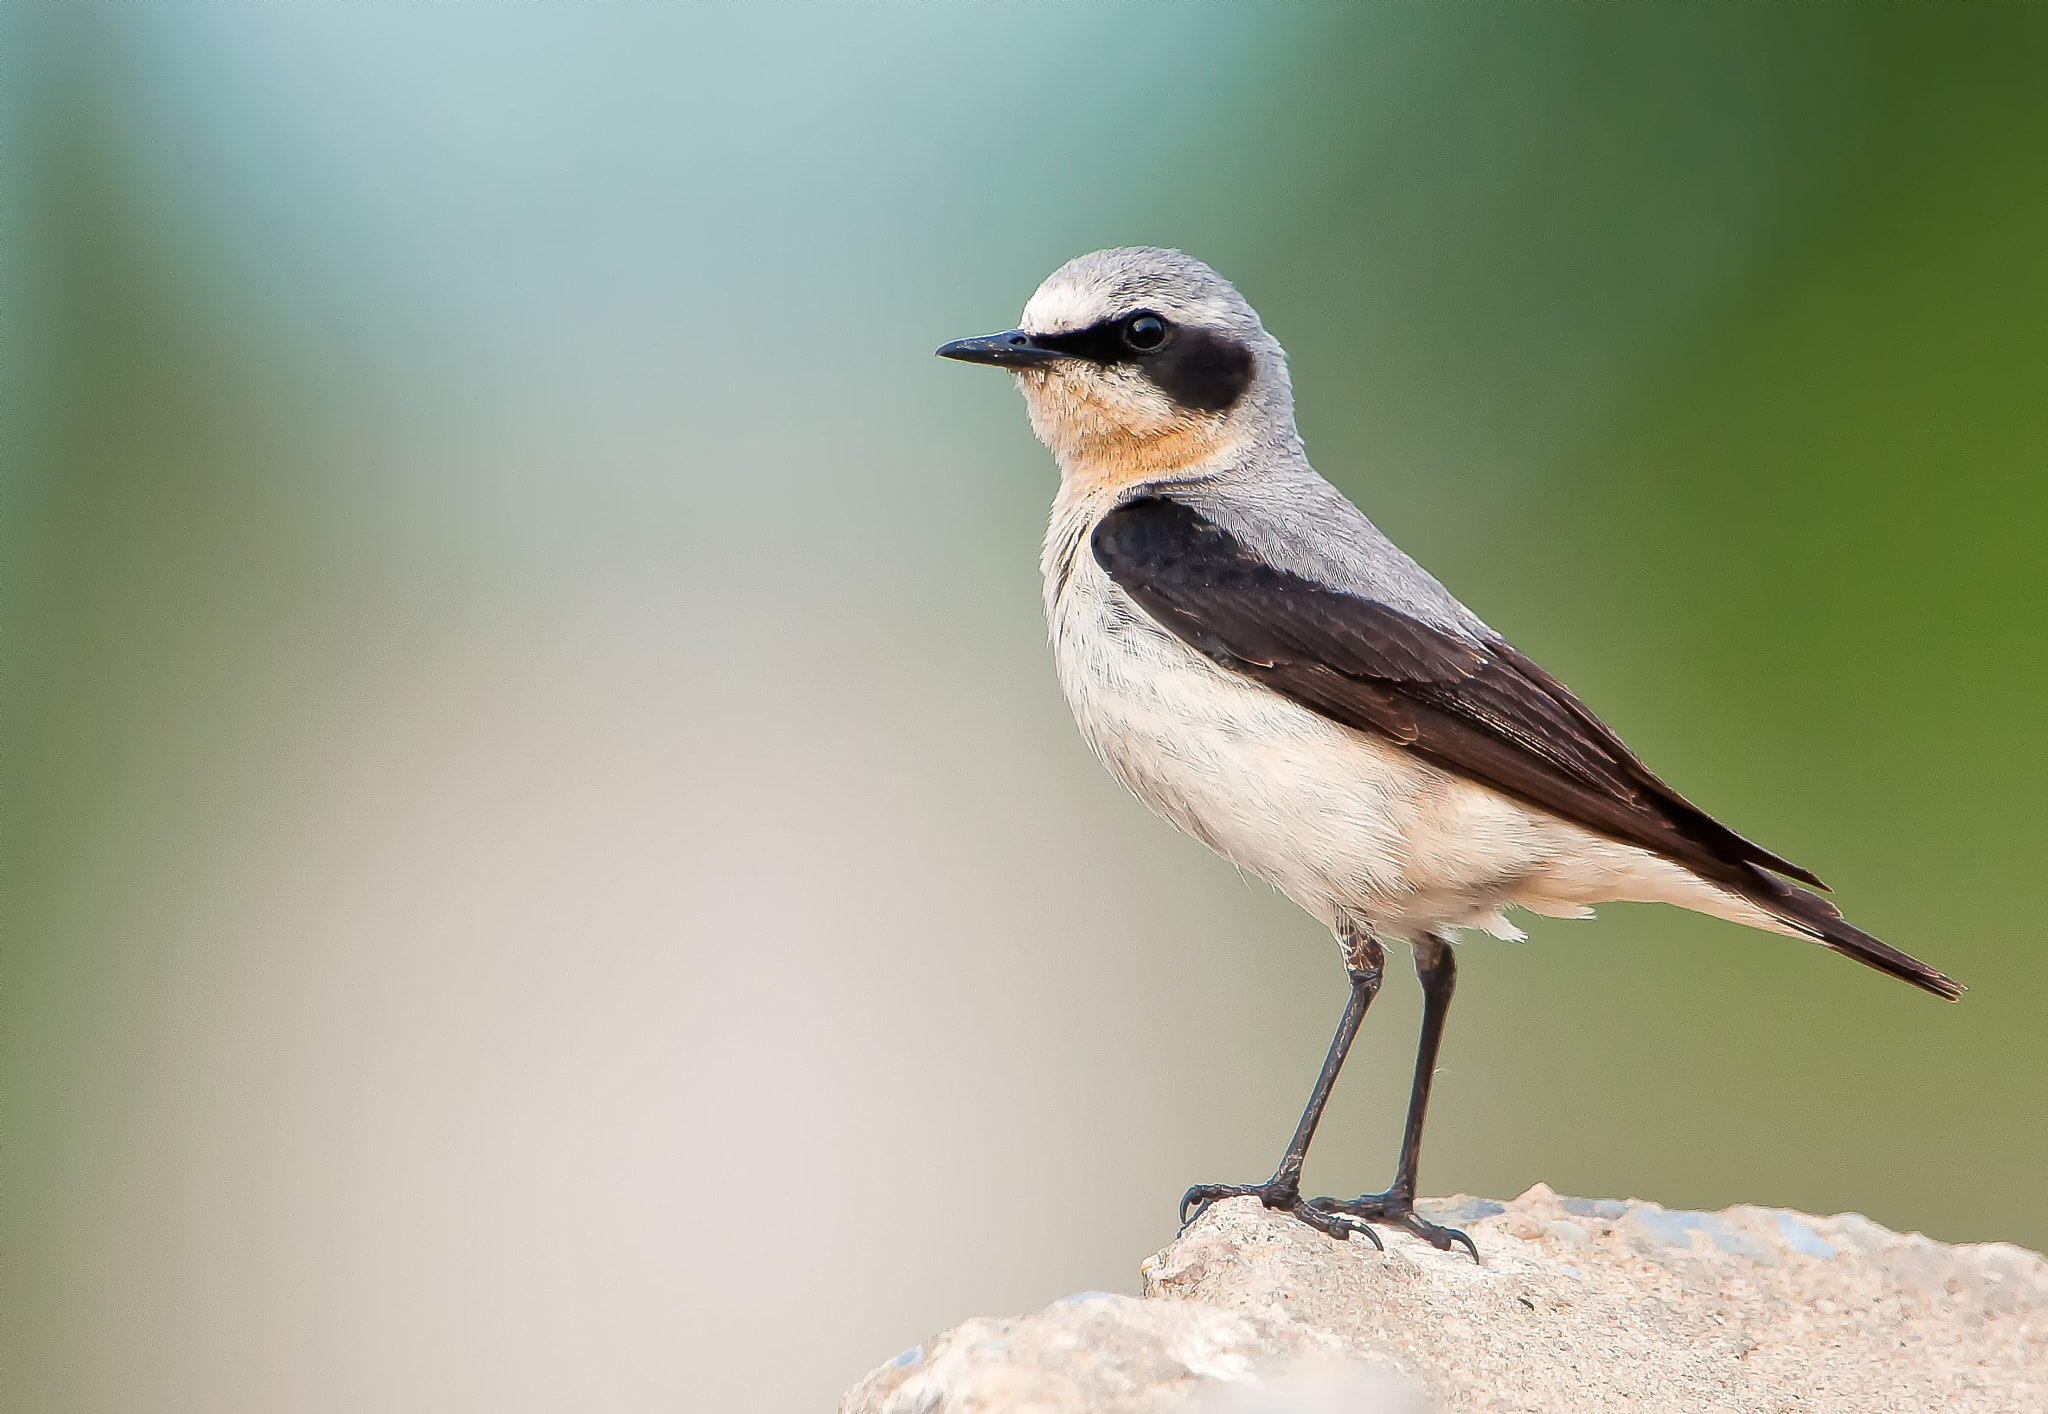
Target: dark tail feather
x=1817 y=918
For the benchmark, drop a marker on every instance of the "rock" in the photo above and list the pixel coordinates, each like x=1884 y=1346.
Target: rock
x=1112 y=1354
x=1580 y=1306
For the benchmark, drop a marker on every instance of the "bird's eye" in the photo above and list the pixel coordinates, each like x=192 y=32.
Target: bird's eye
x=1145 y=332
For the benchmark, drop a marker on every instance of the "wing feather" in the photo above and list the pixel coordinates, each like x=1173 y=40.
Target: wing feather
x=1475 y=707
x=1478 y=708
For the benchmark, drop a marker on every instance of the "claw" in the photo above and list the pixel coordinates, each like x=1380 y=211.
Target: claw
x=1335 y=1225
x=1395 y=1210
x=1203 y=1194
x=1280 y=1198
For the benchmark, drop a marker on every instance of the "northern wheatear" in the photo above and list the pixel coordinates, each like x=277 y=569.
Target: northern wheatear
x=1254 y=660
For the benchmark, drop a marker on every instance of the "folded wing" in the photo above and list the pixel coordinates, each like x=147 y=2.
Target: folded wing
x=1475 y=707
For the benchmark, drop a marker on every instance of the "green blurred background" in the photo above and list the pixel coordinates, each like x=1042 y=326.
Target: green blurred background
x=545 y=864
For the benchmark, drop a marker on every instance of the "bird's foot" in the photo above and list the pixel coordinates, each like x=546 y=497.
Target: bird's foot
x=1393 y=1209
x=1280 y=1195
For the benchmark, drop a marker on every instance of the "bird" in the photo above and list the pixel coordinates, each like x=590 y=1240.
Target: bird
x=1248 y=654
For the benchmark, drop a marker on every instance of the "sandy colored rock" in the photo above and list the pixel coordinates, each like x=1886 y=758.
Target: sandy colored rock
x=1112 y=1354
x=1581 y=1306
x=1596 y=1306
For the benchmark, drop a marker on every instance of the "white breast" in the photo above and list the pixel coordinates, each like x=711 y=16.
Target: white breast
x=1345 y=823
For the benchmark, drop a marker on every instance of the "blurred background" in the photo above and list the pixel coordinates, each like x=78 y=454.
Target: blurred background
x=545 y=864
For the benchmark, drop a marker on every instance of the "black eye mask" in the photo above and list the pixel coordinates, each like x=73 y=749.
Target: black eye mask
x=1199 y=369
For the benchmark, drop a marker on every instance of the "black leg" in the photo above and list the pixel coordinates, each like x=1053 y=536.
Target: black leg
x=1437 y=967
x=1366 y=961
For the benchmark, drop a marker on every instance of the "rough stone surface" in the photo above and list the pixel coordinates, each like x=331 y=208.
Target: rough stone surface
x=1581 y=1306
x=1111 y=1354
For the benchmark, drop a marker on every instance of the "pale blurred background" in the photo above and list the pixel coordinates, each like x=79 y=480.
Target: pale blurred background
x=545 y=865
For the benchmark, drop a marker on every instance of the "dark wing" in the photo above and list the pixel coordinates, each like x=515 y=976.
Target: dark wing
x=1478 y=709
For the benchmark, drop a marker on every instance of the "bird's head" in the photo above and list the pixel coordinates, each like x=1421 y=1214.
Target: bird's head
x=1140 y=363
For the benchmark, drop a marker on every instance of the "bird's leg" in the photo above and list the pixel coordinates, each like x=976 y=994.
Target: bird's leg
x=1366 y=961
x=1437 y=967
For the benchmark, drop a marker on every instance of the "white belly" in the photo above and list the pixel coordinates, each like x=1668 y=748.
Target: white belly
x=1345 y=823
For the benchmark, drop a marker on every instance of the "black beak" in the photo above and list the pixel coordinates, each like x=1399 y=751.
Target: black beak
x=1015 y=349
